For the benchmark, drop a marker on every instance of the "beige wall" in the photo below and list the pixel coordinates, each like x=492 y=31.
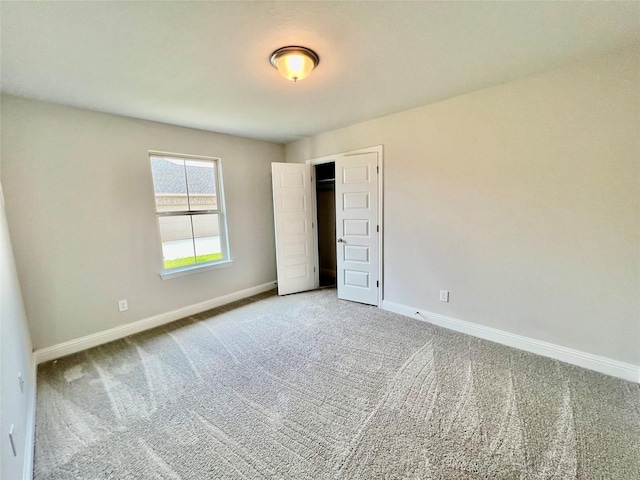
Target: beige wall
x=80 y=207
x=522 y=199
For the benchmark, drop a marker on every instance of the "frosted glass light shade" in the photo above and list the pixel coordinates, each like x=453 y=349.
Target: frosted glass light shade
x=294 y=63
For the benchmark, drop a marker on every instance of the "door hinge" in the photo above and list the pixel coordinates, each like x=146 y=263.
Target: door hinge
x=377 y=169
x=377 y=228
x=377 y=284
x=313 y=225
x=314 y=269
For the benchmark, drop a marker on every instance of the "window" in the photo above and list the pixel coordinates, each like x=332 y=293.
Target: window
x=190 y=212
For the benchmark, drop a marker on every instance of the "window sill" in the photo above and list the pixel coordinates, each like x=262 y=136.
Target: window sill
x=181 y=272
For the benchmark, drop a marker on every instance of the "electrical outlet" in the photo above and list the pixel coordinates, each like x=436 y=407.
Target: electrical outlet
x=13 y=443
x=444 y=296
x=122 y=306
x=21 y=380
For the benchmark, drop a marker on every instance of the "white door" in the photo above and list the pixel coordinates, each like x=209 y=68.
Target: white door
x=293 y=212
x=357 y=227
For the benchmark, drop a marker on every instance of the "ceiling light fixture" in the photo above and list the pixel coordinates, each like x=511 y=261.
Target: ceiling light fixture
x=294 y=63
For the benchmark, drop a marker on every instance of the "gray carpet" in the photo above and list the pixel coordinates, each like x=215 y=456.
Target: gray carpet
x=311 y=387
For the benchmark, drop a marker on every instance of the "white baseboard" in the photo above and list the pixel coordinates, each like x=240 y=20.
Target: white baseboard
x=95 y=339
x=604 y=365
x=30 y=436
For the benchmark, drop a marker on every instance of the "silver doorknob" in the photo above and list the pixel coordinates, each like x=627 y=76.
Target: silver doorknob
x=341 y=241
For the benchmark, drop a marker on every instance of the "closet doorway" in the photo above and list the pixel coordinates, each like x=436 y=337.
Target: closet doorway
x=328 y=225
x=325 y=181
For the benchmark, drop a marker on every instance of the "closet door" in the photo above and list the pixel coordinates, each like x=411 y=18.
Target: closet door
x=293 y=212
x=357 y=227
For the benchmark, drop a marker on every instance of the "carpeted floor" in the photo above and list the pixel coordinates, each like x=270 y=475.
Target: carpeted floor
x=311 y=387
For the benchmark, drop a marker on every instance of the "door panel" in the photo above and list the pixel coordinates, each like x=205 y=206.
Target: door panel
x=356 y=174
x=356 y=228
x=356 y=200
x=292 y=200
x=356 y=224
x=354 y=253
x=356 y=279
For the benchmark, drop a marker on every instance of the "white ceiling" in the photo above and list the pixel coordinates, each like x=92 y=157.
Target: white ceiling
x=206 y=64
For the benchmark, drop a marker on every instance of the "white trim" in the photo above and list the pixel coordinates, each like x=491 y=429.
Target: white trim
x=30 y=433
x=222 y=215
x=203 y=267
x=180 y=155
x=83 y=343
x=589 y=361
x=314 y=224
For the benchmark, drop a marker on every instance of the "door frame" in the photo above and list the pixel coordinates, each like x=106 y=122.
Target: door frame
x=332 y=158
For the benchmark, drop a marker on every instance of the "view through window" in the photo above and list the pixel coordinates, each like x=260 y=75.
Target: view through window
x=189 y=209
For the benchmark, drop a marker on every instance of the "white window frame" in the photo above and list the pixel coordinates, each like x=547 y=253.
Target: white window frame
x=221 y=211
